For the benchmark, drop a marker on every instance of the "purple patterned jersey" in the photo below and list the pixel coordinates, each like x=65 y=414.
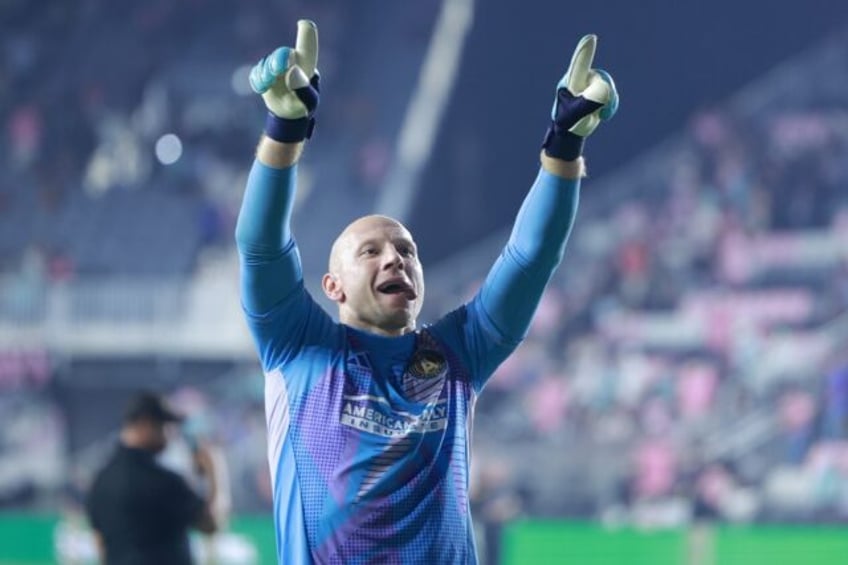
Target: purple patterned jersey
x=369 y=436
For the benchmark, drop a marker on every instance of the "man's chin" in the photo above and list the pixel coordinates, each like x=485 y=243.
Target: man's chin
x=399 y=320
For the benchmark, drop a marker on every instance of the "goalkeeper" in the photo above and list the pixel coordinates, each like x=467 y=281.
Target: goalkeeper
x=369 y=418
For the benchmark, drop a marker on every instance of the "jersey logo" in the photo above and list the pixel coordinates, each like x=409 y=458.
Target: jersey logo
x=376 y=415
x=426 y=372
x=427 y=364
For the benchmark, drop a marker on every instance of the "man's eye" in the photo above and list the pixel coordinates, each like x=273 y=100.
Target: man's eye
x=406 y=251
x=369 y=251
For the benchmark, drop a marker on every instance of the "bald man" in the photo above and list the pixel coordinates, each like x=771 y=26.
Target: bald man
x=369 y=417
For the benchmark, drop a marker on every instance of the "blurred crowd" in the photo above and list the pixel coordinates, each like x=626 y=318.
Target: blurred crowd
x=690 y=360
x=137 y=120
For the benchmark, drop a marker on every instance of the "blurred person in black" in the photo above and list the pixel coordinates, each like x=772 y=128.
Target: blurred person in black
x=140 y=511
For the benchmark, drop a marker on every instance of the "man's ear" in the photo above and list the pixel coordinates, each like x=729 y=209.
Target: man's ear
x=332 y=287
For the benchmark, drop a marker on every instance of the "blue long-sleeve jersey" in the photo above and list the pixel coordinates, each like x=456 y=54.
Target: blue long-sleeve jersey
x=369 y=436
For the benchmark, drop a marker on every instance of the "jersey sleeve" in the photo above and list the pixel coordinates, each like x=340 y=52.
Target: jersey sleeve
x=481 y=347
x=281 y=315
x=512 y=290
x=498 y=317
x=295 y=324
x=269 y=260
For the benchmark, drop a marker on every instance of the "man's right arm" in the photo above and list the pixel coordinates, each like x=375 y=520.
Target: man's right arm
x=276 y=154
x=270 y=265
x=287 y=79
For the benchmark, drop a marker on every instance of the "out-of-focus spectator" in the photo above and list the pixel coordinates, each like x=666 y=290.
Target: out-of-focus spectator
x=140 y=511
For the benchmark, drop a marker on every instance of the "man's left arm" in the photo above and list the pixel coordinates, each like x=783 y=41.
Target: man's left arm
x=508 y=299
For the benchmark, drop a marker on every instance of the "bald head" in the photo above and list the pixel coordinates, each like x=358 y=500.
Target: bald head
x=375 y=276
x=356 y=231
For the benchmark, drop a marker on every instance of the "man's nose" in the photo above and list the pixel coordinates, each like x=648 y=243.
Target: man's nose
x=392 y=258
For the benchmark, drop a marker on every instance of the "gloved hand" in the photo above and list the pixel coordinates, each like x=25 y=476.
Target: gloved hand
x=288 y=82
x=584 y=97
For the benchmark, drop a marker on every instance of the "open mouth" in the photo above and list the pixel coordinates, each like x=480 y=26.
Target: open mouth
x=397 y=286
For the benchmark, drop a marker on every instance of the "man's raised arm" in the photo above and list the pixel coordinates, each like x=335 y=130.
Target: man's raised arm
x=287 y=79
x=514 y=286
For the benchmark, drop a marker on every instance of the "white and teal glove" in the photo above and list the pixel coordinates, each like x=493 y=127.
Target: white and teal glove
x=288 y=80
x=584 y=97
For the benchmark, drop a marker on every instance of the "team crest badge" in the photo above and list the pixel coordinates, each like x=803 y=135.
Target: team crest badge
x=427 y=364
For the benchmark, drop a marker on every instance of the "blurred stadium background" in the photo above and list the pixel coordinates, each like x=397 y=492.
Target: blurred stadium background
x=683 y=395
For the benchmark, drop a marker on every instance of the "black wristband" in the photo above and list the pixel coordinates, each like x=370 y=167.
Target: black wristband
x=288 y=130
x=563 y=145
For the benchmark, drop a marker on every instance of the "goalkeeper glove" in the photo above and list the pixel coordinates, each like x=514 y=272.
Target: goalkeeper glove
x=584 y=97
x=288 y=82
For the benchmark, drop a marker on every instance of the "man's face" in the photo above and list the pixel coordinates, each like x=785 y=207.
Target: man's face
x=156 y=435
x=375 y=276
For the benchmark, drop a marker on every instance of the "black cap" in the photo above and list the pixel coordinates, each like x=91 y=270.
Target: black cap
x=149 y=406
